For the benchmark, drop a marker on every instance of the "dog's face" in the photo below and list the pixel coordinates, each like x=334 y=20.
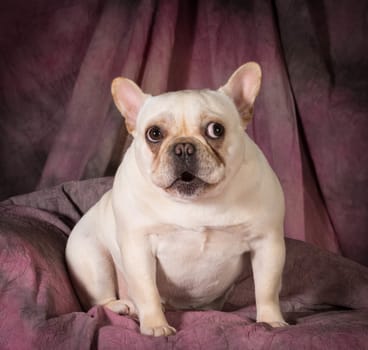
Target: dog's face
x=186 y=142
x=190 y=143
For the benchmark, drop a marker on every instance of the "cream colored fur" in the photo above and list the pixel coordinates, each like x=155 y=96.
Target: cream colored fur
x=145 y=244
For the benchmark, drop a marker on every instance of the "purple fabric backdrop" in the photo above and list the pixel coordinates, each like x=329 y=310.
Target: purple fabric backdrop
x=58 y=123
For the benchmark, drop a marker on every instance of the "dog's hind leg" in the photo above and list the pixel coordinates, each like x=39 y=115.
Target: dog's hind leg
x=93 y=275
x=123 y=305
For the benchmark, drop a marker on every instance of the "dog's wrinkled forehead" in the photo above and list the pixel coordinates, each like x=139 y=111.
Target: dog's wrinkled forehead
x=234 y=99
x=186 y=110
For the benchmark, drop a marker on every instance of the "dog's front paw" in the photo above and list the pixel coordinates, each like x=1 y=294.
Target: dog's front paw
x=158 y=331
x=271 y=315
x=155 y=323
x=278 y=324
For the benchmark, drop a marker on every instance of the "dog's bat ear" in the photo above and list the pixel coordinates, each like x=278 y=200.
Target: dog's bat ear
x=128 y=98
x=243 y=87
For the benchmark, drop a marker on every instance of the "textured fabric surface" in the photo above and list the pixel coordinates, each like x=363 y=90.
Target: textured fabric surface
x=58 y=123
x=324 y=296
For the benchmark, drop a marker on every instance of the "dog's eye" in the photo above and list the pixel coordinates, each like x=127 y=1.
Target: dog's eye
x=154 y=134
x=214 y=130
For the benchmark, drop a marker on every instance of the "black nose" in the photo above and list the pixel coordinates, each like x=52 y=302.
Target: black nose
x=184 y=150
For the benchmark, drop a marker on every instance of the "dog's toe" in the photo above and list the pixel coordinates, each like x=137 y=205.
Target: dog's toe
x=159 y=331
x=278 y=324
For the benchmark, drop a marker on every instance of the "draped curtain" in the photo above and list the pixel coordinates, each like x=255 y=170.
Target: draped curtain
x=58 y=122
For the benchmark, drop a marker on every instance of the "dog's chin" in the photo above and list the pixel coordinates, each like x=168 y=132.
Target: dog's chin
x=188 y=186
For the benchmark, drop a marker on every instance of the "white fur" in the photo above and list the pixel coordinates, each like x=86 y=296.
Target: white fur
x=139 y=246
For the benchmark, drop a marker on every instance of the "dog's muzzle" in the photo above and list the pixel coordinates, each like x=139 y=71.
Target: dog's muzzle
x=187 y=168
x=185 y=162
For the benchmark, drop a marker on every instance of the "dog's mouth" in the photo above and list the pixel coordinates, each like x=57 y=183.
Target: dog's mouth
x=187 y=185
x=186 y=177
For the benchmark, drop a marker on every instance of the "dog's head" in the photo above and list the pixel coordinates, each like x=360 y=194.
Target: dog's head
x=190 y=143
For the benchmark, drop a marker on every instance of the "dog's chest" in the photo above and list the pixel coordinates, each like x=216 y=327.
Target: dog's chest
x=195 y=267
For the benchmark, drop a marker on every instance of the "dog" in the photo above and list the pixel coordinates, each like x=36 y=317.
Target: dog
x=192 y=195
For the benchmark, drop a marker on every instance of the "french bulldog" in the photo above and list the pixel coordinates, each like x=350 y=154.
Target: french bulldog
x=192 y=195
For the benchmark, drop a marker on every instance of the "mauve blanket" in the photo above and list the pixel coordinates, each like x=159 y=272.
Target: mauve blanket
x=324 y=296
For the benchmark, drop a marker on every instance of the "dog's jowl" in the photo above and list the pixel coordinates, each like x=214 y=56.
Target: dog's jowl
x=192 y=195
